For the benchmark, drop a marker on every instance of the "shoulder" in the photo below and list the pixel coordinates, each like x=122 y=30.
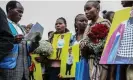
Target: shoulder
x=106 y=22
x=72 y=39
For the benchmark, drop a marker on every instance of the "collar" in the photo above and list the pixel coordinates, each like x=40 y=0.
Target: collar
x=98 y=20
x=12 y=22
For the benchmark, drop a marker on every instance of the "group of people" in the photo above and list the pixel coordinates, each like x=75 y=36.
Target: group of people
x=15 y=51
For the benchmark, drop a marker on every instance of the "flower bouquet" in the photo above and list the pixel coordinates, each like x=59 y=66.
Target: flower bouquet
x=45 y=49
x=97 y=36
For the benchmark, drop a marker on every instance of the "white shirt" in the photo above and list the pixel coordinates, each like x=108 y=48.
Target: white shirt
x=16 y=27
x=70 y=59
x=60 y=43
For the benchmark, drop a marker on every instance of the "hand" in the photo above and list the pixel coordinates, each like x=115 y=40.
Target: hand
x=59 y=75
x=18 y=38
x=83 y=43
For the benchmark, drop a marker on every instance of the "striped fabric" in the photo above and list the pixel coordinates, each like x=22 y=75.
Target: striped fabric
x=97 y=71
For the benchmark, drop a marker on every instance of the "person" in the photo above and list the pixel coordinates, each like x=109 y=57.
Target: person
x=91 y=45
x=111 y=68
x=126 y=71
x=126 y=3
x=69 y=62
x=6 y=37
x=44 y=59
x=28 y=28
x=108 y=15
x=80 y=25
x=54 y=70
x=60 y=45
x=31 y=64
x=15 y=65
x=50 y=33
x=32 y=69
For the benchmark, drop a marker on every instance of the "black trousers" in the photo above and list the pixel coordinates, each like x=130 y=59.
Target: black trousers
x=68 y=68
x=53 y=73
x=58 y=53
x=31 y=75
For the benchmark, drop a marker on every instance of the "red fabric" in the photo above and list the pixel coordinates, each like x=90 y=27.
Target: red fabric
x=31 y=68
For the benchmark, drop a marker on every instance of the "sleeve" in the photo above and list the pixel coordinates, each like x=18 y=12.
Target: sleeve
x=72 y=40
x=6 y=37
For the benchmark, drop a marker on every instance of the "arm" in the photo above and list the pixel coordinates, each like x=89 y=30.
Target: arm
x=6 y=37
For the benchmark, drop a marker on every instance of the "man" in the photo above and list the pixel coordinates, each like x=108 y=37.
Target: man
x=15 y=65
x=6 y=37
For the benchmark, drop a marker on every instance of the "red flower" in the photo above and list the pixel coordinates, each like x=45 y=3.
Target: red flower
x=99 y=31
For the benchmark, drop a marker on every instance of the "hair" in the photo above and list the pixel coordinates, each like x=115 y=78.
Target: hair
x=107 y=14
x=64 y=20
x=76 y=21
x=50 y=32
x=96 y=3
x=127 y=3
x=11 y=5
x=29 y=25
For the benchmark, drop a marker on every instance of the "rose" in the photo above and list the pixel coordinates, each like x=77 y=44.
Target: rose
x=98 y=31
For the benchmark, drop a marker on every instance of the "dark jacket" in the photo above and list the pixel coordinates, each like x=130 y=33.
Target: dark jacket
x=6 y=37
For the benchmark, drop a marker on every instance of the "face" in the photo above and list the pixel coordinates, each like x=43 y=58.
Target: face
x=70 y=50
x=111 y=17
x=16 y=13
x=28 y=27
x=60 y=26
x=62 y=36
x=81 y=22
x=90 y=11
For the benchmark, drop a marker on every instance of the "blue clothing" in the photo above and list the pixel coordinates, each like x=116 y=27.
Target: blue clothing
x=9 y=61
x=72 y=40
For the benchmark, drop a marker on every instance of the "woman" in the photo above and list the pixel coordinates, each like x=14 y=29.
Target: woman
x=80 y=25
x=61 y=28
x=108 y=15
x=111 y=68
x=92 y=45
